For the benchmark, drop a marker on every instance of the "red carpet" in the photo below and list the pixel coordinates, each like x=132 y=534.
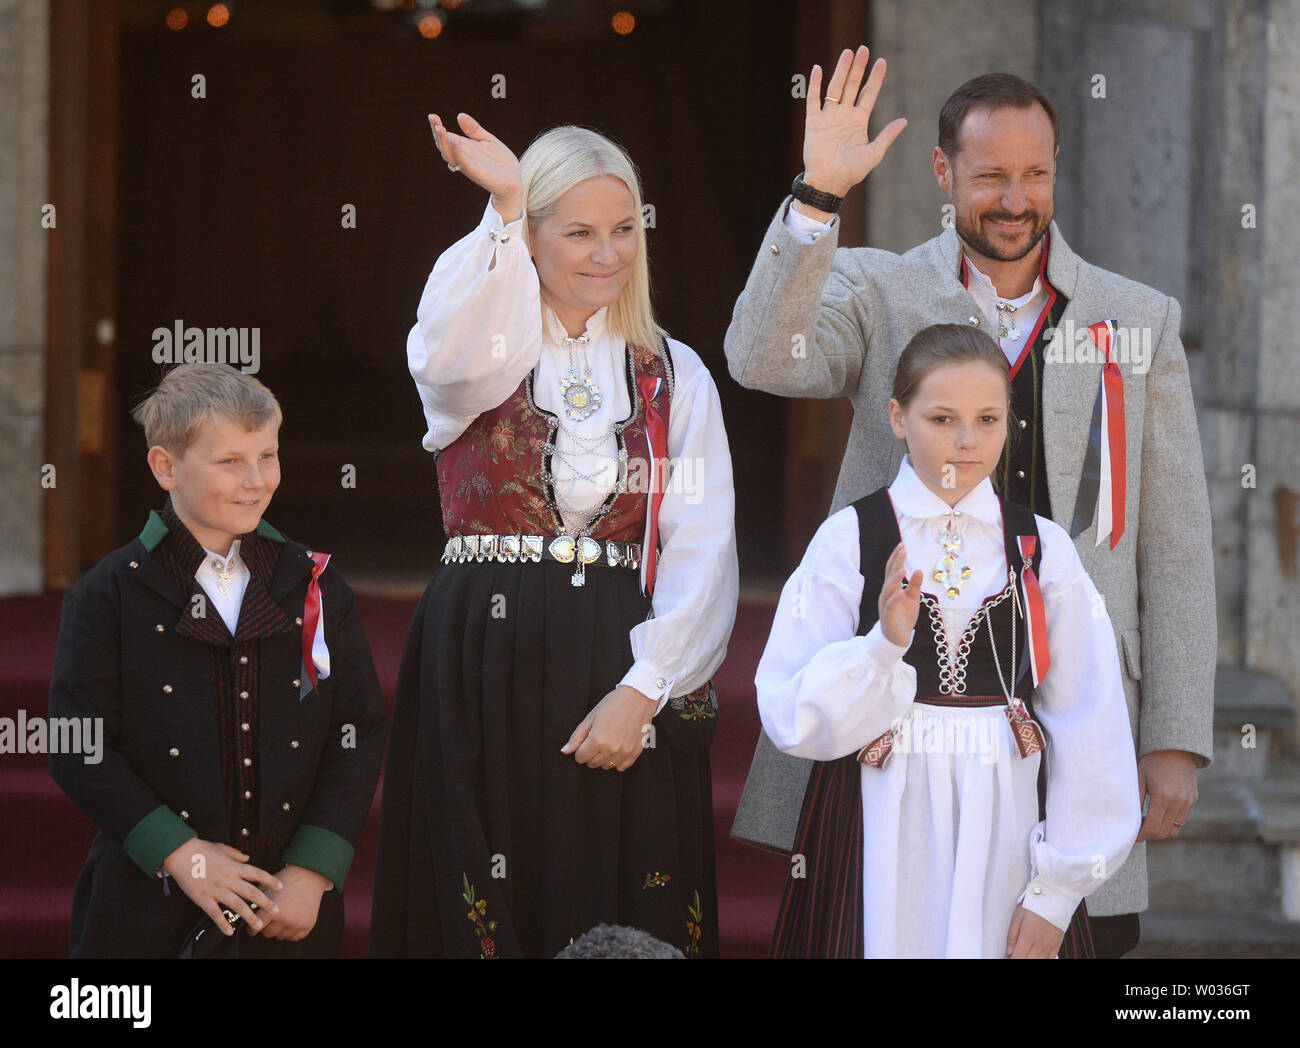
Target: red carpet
x=44 y=836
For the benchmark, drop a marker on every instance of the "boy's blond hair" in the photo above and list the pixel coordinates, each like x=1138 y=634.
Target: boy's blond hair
x=189 y=393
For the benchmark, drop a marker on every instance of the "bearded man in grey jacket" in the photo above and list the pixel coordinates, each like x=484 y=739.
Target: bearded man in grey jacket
x=1108 y=444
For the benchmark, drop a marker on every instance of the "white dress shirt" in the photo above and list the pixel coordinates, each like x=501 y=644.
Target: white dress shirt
x=480 y=331
x=1028 y=306
x=981 y=288
x=209 y=577
x=824 y=692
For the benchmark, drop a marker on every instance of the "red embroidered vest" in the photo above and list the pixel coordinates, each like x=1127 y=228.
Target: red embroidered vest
x=494 y=478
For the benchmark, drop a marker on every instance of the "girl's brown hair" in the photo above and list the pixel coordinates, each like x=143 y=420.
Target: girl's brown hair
x=941 y=344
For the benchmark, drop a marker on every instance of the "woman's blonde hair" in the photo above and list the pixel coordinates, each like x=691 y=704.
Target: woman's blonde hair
x=172 y=414
x=555 y=162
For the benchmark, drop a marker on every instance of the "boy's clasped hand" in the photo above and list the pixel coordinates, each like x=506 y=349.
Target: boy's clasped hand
x=215 y=875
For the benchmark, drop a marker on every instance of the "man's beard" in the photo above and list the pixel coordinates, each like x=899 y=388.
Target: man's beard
x=989 y=248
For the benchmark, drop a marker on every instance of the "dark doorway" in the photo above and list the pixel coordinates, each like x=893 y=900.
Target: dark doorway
x=231 y=207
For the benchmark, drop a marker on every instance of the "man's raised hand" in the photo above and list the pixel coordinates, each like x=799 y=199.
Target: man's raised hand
x=837 y=151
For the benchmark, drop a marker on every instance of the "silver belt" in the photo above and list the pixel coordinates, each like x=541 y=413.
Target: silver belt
x=562 y=548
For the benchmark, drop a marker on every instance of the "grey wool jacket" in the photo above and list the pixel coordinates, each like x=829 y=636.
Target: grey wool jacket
x=819 y=321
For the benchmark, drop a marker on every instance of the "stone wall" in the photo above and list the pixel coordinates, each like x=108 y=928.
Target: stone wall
x=1180 y=141
x=24 y=50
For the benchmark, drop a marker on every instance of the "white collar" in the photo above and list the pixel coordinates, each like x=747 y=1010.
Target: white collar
x=983 y=280
x=556 y=332
x=912 y=498
x=228 y=558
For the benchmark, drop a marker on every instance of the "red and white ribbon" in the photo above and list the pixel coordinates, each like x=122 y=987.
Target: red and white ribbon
x=1035 y=611
x=1110 y=492
x=656 y=430
x=315 y=655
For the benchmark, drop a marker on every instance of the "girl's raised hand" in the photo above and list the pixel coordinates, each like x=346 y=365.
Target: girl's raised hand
x=484 y=159
x=898 y=607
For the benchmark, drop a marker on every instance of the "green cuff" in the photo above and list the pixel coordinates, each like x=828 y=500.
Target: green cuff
x=320 y=851
x=155 y=837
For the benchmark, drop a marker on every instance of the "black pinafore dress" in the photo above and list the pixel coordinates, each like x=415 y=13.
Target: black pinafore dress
x=822 y=912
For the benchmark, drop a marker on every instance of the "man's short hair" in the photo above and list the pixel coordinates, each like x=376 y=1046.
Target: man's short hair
x=991 y=91
x=172 y=414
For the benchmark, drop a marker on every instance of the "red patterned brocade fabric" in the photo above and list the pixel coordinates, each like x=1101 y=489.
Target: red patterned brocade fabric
x=490 y=479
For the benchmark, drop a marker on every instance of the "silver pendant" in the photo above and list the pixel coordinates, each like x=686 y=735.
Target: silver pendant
x=1006 y=312
x=225 y=575
x=950 y=569
x=581 y=397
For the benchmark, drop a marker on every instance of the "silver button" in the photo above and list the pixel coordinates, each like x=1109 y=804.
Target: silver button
x=135 y=564
x=284 y=806
x=296 y=683
x=243 y=694
x=244 y=726
x=1020 y=473
x=293 y=745
x=248 y=795
x=160 y=628
x=298 y=621
x=244 y=832
x=243 y=659
x=167 y=689
x=173 y=752
x=248 y=762
x=185 y=815
x=661 y=683
x=775 y=250
x=975 y=321
x=1022 y=423
x=1038 y=890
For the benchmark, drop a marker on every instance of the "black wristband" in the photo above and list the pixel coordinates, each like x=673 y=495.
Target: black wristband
x=815 y=198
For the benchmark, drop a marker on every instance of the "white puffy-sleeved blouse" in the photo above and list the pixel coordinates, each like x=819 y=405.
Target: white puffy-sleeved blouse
x=480 y=329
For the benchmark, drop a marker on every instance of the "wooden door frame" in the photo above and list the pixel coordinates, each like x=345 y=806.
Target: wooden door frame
x=80 y=402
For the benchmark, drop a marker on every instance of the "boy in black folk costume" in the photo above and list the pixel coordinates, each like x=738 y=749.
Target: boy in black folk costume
x=242 y=717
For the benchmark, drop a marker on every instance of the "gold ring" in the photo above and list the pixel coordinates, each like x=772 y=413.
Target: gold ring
x=829 y=99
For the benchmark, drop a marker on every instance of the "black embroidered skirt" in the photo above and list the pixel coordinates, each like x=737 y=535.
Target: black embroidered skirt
x=493 y=843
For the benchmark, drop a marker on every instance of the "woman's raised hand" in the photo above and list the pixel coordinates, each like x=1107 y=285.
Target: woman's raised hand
x=484 y=159
x=898 y=607
x=837 y=152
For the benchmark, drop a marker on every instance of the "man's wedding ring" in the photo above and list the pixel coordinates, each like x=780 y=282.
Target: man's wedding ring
x=829 y=99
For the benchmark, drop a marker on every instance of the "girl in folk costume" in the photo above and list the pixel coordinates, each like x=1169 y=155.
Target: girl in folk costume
x=960 y=692
x=549 y=768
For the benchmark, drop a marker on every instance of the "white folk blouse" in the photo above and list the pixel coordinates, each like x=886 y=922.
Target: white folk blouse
x=480 y=331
